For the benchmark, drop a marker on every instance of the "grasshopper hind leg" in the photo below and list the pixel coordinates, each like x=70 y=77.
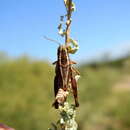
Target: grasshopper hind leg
x=55 y=104
x=58 y=84
x=75 y=93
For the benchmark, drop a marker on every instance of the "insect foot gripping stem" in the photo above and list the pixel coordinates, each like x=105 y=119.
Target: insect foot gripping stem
x=74 y=49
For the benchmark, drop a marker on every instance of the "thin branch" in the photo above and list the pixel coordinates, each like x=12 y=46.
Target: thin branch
x=68 y=23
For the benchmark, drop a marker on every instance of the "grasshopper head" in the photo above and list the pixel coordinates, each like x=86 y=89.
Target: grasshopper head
x=63 y=53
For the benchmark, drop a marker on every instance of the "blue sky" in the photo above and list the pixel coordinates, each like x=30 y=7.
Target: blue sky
x=99 y=26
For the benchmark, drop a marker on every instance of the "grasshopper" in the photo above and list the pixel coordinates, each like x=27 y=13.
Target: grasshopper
x=65 y=75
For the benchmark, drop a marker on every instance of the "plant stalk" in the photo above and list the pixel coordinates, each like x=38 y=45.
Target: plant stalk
x=68 y=23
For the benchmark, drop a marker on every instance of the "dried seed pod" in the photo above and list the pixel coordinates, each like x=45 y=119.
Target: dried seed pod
x=61 y=96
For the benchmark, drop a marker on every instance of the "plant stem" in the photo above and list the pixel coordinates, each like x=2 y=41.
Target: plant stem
x=68 y=23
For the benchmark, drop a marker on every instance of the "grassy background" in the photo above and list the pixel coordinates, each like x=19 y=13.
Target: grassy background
x=26 y=94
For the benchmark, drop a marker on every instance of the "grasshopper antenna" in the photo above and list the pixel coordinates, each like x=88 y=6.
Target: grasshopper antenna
x=52 y=40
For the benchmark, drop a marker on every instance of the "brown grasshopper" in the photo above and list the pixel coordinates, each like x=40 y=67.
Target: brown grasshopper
x=65 y=76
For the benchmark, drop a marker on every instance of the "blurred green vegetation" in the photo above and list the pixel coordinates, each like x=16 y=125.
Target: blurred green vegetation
x=26 y=94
